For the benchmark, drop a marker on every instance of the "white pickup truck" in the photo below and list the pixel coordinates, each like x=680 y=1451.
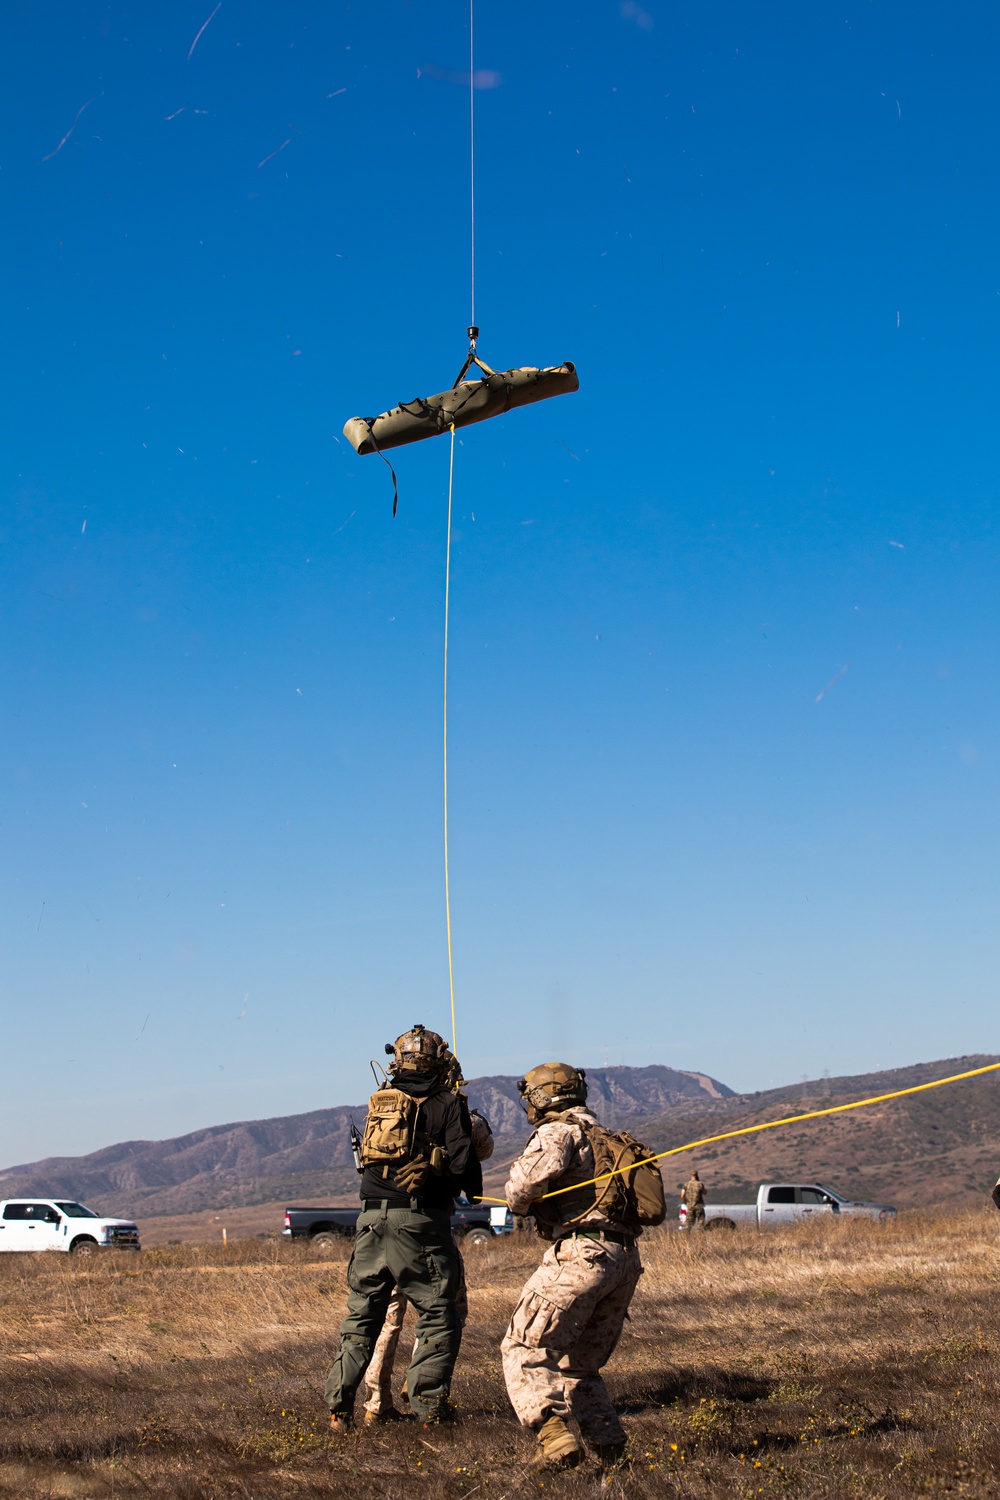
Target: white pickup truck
x=784 y=1203
x=57 y=1224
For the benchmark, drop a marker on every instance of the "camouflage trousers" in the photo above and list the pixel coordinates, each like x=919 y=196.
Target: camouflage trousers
x=378 y=1376
x=695 y=1217
x=565 y=1327
x=411 y=1250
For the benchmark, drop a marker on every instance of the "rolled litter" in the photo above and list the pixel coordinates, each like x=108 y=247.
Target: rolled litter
x=467 y=402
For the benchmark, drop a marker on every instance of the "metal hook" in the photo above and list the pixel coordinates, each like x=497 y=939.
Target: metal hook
x=472 y=358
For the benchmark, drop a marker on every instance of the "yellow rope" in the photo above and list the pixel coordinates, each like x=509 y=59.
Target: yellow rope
x=447 y=887
x=813 y=1114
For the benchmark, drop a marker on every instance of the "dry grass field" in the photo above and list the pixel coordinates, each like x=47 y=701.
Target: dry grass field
x=831 y=1359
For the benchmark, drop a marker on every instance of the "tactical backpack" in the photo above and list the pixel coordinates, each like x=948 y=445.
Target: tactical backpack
x=390 y=1129
x=393 y=1138
x=633 y=1197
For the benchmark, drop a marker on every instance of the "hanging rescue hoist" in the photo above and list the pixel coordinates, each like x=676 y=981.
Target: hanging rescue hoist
x=466 y=402
x=488 y=394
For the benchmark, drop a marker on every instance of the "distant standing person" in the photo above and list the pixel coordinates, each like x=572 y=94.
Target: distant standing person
x=693 y=1198
x=417 y=1156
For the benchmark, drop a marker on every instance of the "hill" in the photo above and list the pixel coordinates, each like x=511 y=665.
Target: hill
x=307 y=1157
x=938 y=1148
x=942 y=1147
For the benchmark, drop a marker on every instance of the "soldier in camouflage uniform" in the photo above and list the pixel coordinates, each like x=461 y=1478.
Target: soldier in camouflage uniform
x=693 y=1198
x=572 y=1309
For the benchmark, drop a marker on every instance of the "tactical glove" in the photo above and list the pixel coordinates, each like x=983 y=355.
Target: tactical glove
x=412 y=1175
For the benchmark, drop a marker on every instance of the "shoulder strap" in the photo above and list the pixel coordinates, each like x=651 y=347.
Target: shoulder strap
x=617 y=1149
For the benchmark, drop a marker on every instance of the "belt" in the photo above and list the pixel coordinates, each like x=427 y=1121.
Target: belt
x=414 y=1206
x=628 y=1240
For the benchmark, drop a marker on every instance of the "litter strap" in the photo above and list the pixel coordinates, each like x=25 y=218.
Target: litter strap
x=728 y=1135
x=395 y=481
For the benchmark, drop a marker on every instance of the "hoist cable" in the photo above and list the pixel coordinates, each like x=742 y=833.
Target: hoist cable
x=451 y=487
x=472 y=169
x=451 y=490
x=447 y=886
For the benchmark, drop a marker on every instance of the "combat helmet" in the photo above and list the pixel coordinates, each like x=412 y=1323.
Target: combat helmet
x=551 y=1087
x=418 y=1051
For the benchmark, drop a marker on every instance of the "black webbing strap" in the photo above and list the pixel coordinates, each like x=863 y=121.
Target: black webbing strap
x=395 y=481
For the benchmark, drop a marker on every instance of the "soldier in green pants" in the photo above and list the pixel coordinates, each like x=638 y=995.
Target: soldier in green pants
x=417 y=1155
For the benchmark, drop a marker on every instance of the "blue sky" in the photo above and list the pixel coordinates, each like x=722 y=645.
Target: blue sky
x=724 y=627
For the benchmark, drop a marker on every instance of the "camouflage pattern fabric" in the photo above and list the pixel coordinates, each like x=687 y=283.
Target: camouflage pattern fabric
x=572 y=1310
x=557 y=1154
x=378 y=1376
x=695 y=1217
x=564 y=1329
x=412 y=1250
x=693 y=1192
x=482 y=1135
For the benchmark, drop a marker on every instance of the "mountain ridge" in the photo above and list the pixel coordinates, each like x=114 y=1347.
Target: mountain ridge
x=305 y=1155
x=939 y=1147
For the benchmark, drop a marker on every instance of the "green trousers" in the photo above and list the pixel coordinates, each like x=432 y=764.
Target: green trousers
x=413 y=1250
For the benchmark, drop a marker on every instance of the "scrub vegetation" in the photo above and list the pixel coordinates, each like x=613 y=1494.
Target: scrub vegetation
x=828 y=1359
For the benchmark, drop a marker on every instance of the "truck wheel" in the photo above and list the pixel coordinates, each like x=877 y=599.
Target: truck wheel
x=720 y=1224
x=480 y=1235
x=325 y=1242
x=84 y=1248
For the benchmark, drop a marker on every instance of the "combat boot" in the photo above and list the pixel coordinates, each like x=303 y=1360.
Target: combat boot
x=611 y=1455
x=387 y=1414
x=557 y=1446
x=340 y=1424
x=442 y=1415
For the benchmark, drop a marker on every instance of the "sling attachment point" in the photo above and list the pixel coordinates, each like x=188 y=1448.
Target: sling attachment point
x=472 y=358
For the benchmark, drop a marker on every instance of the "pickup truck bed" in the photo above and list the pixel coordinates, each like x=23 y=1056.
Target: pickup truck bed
x=471 y=1224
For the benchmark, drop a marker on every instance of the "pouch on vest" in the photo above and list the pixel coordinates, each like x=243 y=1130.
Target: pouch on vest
x=467 y=402
x=643 y=1182
x=390 y=1129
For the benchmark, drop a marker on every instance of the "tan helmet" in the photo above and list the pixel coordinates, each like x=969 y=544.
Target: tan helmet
x=418 y=1051
x=482 y=1135
x=551 y=1087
